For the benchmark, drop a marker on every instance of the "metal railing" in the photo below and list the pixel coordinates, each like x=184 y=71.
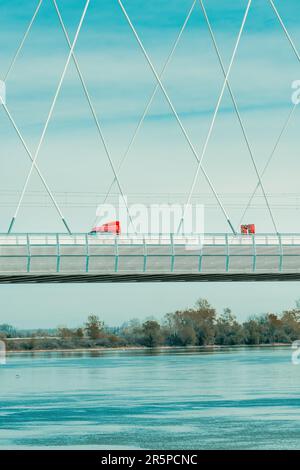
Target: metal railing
x=201 y=253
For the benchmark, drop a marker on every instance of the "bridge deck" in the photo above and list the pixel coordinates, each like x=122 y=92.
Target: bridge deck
x=132 y=258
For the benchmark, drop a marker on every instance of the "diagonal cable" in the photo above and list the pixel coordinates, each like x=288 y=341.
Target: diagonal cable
x=289 y=117
x=226 y=83
x=23 y=41
x=156 y=88
x=11 y=119
x=175 y=113
x=284 y=29
x=49 y=117
x=226 y=75
x=31 y=158
x=92 y=109
x=284 y=128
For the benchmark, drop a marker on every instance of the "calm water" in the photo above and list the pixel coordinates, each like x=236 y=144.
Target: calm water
x=226 y=399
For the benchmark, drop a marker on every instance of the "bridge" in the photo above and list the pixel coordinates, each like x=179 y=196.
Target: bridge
x=59 y=258
x=80 y=257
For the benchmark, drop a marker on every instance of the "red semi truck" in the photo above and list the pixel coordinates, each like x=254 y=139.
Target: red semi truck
x=111 y=227
x=248 y=229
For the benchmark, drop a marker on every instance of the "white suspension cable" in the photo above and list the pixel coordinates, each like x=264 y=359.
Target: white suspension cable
x=285 y=29
x=22 y=42
x=18 y=51
x=156 y=88
x=49 y=117
x=290 y=115
x=31 y=158
x=237 y=112
x=86 y=92
x=226 y=75
x=175 y=113
x=284 y=128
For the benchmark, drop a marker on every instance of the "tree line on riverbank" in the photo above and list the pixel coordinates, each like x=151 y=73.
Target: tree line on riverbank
x=197 y=326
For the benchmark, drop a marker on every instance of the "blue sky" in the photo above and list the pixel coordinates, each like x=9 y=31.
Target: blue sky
x=120 y=82
x=31 y=306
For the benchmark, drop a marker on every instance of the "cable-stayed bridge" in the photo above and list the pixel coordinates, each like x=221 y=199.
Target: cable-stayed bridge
x=72 y=257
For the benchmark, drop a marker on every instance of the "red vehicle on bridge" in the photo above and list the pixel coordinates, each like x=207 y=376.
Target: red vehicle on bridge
x=248 y=229
x=110 y=227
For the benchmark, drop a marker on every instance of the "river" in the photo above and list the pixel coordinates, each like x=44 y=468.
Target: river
x=231 y=398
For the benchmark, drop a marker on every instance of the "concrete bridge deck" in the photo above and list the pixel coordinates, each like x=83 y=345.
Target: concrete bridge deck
x=149 y=258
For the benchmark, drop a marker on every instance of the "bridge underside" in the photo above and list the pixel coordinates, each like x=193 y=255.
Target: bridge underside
x=136 y=278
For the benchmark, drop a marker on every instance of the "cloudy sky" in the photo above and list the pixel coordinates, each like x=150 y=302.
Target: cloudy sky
x=160 y=165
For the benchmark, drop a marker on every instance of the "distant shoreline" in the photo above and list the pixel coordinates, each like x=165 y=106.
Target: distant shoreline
x=197 y=327
x=145 y=348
